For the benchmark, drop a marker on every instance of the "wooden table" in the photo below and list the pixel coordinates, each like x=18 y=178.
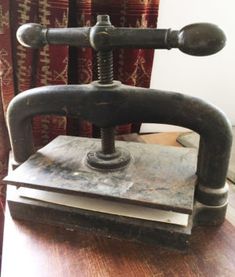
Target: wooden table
x=40 y=250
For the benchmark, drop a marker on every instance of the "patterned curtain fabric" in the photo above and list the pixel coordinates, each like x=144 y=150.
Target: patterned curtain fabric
x=22 y=68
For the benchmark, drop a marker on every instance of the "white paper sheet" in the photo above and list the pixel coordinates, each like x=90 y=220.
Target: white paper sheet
x=105 y=206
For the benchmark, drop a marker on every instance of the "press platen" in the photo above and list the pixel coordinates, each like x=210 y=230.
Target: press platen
x=142 y=192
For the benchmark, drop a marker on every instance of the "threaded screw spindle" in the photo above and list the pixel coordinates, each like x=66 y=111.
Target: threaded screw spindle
x=105 y=67
x=107 y=140
x=108 y=158
x=105 y=74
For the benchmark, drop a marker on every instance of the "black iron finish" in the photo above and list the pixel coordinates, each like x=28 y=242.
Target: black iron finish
x=107 y=103
x=105 y=73
x=199 y=39
x=108 y=157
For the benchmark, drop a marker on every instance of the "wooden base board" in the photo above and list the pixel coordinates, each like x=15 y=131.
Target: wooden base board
x=120 y=227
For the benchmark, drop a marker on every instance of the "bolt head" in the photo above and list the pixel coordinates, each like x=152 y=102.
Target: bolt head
x=103 y=20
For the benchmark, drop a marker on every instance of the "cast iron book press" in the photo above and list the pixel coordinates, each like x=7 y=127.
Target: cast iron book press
x=148 y=193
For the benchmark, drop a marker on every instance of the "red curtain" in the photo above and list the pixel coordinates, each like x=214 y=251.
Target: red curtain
x=22 y=68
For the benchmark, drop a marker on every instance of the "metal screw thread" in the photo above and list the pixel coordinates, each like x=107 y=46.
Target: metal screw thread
x=105 y=74
x=105 y=67
x=107 y=140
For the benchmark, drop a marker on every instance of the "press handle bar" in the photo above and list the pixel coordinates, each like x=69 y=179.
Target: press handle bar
x=199 y=39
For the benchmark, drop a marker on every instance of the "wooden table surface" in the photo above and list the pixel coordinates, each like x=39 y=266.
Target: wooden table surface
x=33 y=250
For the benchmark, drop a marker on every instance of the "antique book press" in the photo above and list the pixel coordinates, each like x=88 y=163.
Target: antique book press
x=141 y=192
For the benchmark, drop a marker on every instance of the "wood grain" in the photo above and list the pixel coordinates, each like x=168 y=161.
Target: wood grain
x=162 y=138
x=41 y=251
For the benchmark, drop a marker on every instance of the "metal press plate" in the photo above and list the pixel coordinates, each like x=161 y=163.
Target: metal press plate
x=158 y=176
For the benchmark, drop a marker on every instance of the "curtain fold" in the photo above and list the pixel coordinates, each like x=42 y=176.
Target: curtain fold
x=22 y=68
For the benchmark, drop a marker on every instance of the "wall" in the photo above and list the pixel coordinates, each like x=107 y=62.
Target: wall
x=211 y=78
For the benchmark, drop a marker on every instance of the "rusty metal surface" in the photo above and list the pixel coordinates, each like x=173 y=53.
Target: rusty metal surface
x=158 y=176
